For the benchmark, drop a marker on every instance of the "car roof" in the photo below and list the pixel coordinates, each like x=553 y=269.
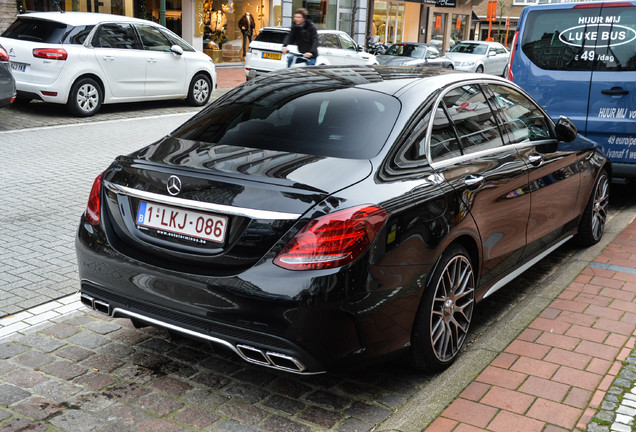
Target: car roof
x=82 y=18
x=480 y=42
x=287 y=29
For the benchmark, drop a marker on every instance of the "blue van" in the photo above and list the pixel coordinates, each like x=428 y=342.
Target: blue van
x=579 y=60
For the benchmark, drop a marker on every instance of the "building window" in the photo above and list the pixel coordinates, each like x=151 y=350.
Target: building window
x=388 y=21
x=459 y=31
x=524 y=2
x=439 y=30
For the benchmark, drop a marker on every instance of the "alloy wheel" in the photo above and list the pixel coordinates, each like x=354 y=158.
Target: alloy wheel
x=200 y=90
x=87 y=97
x=599 y=206
x=452 y=308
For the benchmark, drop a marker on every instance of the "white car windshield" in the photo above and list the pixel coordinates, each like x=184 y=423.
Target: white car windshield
x=414 y=51
x=470 y=48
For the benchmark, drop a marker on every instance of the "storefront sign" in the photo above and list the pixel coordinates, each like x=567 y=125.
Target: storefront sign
x=492 y=11
x=458 y=24
x=603 y=35
x=438 y=22
x=199 y=17
x=446 y=3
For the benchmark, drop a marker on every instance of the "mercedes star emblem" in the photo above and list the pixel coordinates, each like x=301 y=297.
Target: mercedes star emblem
x=174 y=185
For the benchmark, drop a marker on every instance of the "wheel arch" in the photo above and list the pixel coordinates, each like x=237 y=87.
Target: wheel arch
x=97 y=79
x=202 y=72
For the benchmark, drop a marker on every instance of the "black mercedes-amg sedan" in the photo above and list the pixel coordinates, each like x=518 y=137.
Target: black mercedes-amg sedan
x=331 y=216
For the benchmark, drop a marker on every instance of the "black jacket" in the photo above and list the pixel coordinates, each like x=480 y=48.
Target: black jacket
x=305 y=37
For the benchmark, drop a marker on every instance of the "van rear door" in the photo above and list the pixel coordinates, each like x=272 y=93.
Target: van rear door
x=612 y=111
x=551 y=63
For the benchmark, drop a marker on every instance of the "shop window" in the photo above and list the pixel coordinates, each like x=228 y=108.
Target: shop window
x=439 y=30
x=459 y=30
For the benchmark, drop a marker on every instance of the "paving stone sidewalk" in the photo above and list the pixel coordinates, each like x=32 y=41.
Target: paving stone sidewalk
x=572 y=361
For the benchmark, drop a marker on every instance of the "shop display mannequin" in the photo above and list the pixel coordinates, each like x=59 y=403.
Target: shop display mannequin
x=218 y=22
x=247 y=25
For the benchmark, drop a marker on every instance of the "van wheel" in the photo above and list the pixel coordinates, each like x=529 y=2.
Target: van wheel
x=445 y=312
x=85 y=98
x=480 y=69
x=200 y=90
x=592 y=224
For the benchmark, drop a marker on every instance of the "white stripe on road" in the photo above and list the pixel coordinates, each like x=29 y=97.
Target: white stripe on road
x=100 y=122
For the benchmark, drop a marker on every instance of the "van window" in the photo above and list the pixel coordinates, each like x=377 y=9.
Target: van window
x=581 y=38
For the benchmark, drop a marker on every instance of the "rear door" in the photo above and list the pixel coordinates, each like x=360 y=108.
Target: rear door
x=485 y=174
x=120 y=56
x=612 y=114
x=553 y=172
x=165 y=70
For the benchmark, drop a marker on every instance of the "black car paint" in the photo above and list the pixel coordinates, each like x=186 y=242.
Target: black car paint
x=324 y=318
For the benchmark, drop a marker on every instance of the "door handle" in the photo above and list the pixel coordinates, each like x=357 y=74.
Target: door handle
x=108 y=58
x=535 y=159
x=615 y=91
x=151 y=60
x=473 y=182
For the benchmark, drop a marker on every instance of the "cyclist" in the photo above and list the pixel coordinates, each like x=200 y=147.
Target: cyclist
x=304 y=35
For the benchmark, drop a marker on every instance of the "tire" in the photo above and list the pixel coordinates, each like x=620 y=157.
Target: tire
x=443 y=318
x=480 y=69
x=85 y=98
x=505 y=71
x=592 y=224
x=200 y=90
x=450 y=67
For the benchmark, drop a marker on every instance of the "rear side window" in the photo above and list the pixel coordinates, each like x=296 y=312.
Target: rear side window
x=77 y=35
x=582 y=38
x=348 y=123
x=271 y=36
x=36 y=30
x=522 y=120
x=473 y=119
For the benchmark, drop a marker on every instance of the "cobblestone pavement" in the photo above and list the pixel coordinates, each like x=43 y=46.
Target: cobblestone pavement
x=44 y=184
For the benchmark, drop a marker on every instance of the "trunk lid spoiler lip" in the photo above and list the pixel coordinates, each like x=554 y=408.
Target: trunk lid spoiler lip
x=200 y=205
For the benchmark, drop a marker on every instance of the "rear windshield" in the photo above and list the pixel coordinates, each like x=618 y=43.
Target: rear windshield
x=44 y=31
x=271 y=36
x=582 y=39
x=36 y=30
x=348 y=123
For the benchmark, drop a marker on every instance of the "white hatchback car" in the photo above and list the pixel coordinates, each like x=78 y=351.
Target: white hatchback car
x=480 y=57
x=335 y=47
x=85 y=60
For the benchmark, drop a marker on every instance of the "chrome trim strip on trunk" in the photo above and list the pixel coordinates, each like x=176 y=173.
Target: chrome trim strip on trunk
x=199 y=205
x=506 y=279
x=158 y=323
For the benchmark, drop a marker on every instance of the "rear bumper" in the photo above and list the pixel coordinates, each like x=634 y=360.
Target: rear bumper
x=61 y=91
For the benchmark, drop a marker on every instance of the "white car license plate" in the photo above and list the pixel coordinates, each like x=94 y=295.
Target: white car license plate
x=186 y=223
x=20 y=67
x=272 y=56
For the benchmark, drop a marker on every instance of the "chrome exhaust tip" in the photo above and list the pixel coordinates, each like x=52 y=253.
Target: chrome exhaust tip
x=101 y=306
x=284 y=362
x=253 y=355
x=271 y=359
x=87 y=300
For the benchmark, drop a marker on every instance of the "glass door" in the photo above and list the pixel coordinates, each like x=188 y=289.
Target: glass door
x=388 y=20
x=345 y=18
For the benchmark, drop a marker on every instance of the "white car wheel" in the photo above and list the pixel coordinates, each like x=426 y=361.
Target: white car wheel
x=85 y=98
x=200 y=90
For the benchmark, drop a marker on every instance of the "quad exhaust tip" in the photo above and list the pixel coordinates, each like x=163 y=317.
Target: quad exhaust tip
x=246 y=352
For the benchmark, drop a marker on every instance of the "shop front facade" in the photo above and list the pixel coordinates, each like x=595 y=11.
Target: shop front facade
x=507 y=17
x=441 y=23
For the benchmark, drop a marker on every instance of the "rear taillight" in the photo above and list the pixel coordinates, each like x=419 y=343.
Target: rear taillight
x=12 y=100
x=3 y=55
x=50 y=53
x=333 y=240
x=92 y=208
x=510 y=75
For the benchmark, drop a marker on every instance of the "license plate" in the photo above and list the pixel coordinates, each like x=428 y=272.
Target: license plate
x=20 y=67
x=181 y=223
x=272 y=56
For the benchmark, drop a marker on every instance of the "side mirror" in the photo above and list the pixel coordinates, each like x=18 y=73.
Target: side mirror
x=359 y=48
x=176 y=49
x=565 y=129
x=492 y=54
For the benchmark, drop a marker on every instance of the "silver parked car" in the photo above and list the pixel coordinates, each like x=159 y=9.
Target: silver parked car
x=480 y=57
x=7 y=83
x=414 y=54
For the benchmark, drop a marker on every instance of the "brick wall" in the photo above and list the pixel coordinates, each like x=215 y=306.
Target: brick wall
x=8 y=13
